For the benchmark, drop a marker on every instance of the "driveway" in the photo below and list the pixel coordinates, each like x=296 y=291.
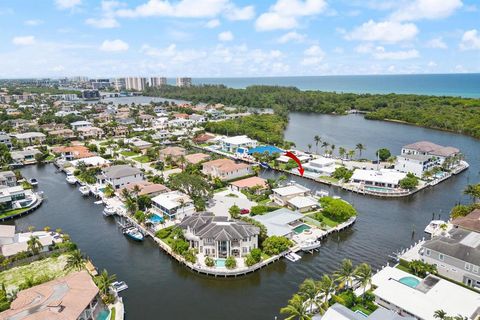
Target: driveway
x=222 y=202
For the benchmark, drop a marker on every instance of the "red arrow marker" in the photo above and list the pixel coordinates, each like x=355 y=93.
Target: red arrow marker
x=294 y=157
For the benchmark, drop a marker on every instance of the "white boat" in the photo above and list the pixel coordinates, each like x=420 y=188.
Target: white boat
x=133 y=233
x=84 y=190
x=33 y=182
x=433 y=226
x=293 y=257
x=109 y=211
x=118 y=286
x=310 y=244
x=71 y=179
x=321 y=193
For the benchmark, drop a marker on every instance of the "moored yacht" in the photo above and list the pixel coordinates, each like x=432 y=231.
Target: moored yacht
x=33 y=182
x=84 y=190
x=71 y=179
x=310 y=244
x=433 y=226
x=133 y=233
x=109 y=211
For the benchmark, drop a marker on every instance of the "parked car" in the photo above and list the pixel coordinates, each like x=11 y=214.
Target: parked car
x=244 y=211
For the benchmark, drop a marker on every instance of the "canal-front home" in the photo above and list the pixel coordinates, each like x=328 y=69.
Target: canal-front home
x=237 y=144
x=456 y=255
x=219 y=237
x=281 y=195
x=384 y=178
x=12 y=243
x=73 y=297
x=173 y=205
x=30 y=137
x=226 y=169
x=441 y=153
x=120 y=175
x=8 y=179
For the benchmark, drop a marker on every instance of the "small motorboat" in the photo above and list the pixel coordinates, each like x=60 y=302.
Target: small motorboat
x=118 y=286
x=109 y=211
x=310 y=244
x=433 y=226
x=293 y=257
x=33 y=182
x=265 y=165
x=71 y=179
x=84 y=190
x=134 y=234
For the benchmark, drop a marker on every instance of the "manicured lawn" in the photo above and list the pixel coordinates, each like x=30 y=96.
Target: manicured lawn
x=142 y=159
x=326 y=220
x=13 y=212
x=220 y=190
x=129 y=153
x=328 y=179
x=361 y=308
x=50 y=158
x=48 y=268
x=403 y=268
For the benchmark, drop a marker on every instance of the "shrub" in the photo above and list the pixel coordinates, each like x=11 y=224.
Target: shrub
x=230 y=263
x=275 y=245
x=164 y=233
x=180 y=246
x=254 y=257
x=234 y=211
x=209 y=262
x=337 y=209
x=342 y=173
x=190 y=255
x=410 y=182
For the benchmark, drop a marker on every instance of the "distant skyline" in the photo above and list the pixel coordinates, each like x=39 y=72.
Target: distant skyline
x=242 y=38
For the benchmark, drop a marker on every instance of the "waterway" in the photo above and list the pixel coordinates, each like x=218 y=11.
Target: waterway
x=159 y=288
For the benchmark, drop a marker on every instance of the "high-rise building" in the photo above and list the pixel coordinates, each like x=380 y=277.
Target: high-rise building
x=135 y=83
x=157 y=82
x=184 y=82
x=119 y=84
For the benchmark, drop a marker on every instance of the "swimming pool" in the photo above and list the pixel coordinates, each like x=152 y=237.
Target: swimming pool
x=377 y=189
x=220 y=263
x=410 y=281
x=156 y=219
x=301 y=228
x=103 y=315
x=360 y=312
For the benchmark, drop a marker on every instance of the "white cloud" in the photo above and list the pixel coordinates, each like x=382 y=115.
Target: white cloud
x=225 y=36
x=188 y=9
x=67 y=4
x=291 y=36
x=380 y=53
x=33 y=22
x=236 y=14
x=23 y=41
x=426 y=9
x=385 y=31
x=284 y=14
x=212 y=23
x=437 y=43
x=432 y=64
x=470 y=40
x=313 y=56
x=173 y=54
x=114 y=45
x=103 y=23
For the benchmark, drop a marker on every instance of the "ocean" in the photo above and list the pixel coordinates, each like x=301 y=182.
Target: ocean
x=462 y=85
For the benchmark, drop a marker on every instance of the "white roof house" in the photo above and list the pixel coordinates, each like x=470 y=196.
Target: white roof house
x=231 y=144
x=382 y=177
x=94 y=161
x=283 y=194
x=396 y=290
x=303 y=204
x=278 y=222
x=80 y=124
x=174 y=204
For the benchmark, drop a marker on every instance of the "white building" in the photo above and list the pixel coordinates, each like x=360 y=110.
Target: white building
x=80 y=124
x=417 y=164
x=119 y=84
x=237 y=144
x=219 y=237
x=173 y=205
x=135 y=83
x=281 y=222
x=120 y=176
x=30 y=137
x=409 y=295
x=12 y=243
x=441 y=153
x=282 y=195
x=382 y=178
x=321 y=165
x=157 y=82
x=184 y=82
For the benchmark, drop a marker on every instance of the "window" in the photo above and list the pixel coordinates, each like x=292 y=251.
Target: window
x=468 y=266
x=475 y=269
x=441 y=256
x=427 y=252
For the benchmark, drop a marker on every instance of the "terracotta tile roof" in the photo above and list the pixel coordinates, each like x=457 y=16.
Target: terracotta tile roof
x=469 y=222
x=225 y=165
x=250 y=182
x=197 y=157
x=60 y=299
x=78 y=152
x=203 y=138
x=146 y=188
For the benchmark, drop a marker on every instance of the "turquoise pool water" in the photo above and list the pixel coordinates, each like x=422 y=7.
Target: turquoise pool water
x=103 y=315
x=220 y=263
x=156 y=219
x=301 y=228
x=410 y=281
x=377 y=189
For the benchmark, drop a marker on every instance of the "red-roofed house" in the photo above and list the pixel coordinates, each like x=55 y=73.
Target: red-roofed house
x=226 y=169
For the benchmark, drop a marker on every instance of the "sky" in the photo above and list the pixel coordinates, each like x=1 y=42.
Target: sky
x=237 y=38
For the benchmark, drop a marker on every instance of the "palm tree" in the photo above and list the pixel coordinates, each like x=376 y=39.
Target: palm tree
x=296 y=309
x=332 y=149
x=473 y=190
x=125 y=193
x=309 y=147
x=104 y=280
x=363 y=274
x=345 y=275
x=439 y=314
x=342 y=151
x=351 y=153
x=360 y=147
x=75 y=261
x=317 y=140
x=136 y=190
x=34 y=245
x=131 y=205
x=109 y=191
x=309 y=291
x=325 y=146
x=326 y=288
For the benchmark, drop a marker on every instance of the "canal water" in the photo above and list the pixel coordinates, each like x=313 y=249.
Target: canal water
x=159 y=288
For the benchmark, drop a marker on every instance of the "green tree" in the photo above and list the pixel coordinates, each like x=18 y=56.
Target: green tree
x=230 y=263
x=410 y=182
x=337 y=209
x=383 y=154
x=345 y=275
x=34 y=245
x=104 y=281
x=317 y=140
x=473 y=190
x=234 y=211
x=5 y=156
x=363 y=274
x=276 y=244
x=360 y=148
x=75 y=261
x=296 y=309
